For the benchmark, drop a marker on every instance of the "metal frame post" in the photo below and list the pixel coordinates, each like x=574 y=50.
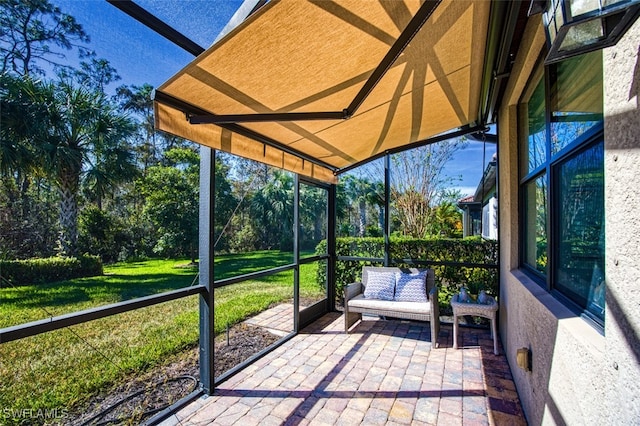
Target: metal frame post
x=387 y=196
x=296 y=253
x=331 y=249
x=206 y=261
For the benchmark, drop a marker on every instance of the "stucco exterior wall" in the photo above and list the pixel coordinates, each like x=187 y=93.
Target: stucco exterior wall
x=578 y=375
x=622 y=209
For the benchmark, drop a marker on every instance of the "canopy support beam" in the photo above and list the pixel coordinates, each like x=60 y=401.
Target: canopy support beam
x=270 y=117
x=401 y=43
x=190 y=109
x=396 y=50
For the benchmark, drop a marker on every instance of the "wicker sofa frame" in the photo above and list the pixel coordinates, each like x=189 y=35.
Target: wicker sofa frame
x=410 y=310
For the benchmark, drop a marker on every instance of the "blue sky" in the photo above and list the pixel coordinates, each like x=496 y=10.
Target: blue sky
x=141 y=56
x=468 y=164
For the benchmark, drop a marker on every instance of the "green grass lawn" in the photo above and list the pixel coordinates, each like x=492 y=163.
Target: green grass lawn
x=63 y=368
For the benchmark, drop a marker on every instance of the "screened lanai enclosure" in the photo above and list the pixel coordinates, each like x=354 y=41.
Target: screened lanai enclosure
x=321 y=89
x=320 y=96
x=317 y=124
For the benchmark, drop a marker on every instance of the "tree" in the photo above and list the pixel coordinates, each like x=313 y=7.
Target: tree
x=272 y=207
x=418 y=185
x=20 y=119
x=100 y=233
x=65 y=133
x=27 y=224
x=34 y=33
x=362 y=192
x=28 y=31
x=138 y=101
x=225 y=199
x=84 y=131
x=172 y=205
x=24 y=236
x=108 y=166
x=376 y=198
x=343 y=224
x=95 y=74
x=313 y=216
x=446 y=220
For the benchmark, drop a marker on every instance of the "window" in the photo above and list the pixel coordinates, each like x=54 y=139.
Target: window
x=535 y=223
x=533 y=118
x=580 y=253
x=562 y=182
x=490 y=219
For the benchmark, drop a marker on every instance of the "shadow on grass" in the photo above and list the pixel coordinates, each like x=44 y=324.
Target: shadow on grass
x=104 y=289
x=233 y=265
x=129 y=281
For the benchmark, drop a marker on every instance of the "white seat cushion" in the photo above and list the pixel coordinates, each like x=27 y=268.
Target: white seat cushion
x=389 y=306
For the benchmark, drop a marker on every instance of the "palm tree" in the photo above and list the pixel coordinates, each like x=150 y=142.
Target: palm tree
x=108 y=166
x=446 y=220
x=27 y=227
x=138 y=100
x=361 y=192
x=313 y=215
x=84 y=132
x=273 y=205
x=376 y=198
x=20 y=118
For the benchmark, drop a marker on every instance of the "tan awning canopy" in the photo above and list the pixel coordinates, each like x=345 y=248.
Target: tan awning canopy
x=317 y=86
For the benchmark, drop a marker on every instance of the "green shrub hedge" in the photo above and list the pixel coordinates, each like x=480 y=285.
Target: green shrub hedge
x=51 y=269
x=402 y=251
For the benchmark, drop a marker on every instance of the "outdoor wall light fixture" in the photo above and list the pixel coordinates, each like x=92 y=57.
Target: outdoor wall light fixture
x=574 y=27
x=524 y=358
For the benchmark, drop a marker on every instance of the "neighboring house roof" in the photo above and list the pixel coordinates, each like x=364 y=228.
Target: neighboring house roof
x=465 y=200
x=487 y=182
x=468 y=202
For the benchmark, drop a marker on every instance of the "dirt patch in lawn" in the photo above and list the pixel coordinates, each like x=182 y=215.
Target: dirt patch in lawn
x=145 y=395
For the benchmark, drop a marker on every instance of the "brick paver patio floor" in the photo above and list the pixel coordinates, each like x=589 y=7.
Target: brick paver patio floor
x=278 y=320
x=384 y=372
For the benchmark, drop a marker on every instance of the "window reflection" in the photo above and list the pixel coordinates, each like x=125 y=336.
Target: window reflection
x=576 y=98
x=562 y=164
x=580 y=272
x=536 y=224
x=535 y=128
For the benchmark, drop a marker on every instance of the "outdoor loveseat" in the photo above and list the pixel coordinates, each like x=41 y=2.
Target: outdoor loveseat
x=396 y=293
